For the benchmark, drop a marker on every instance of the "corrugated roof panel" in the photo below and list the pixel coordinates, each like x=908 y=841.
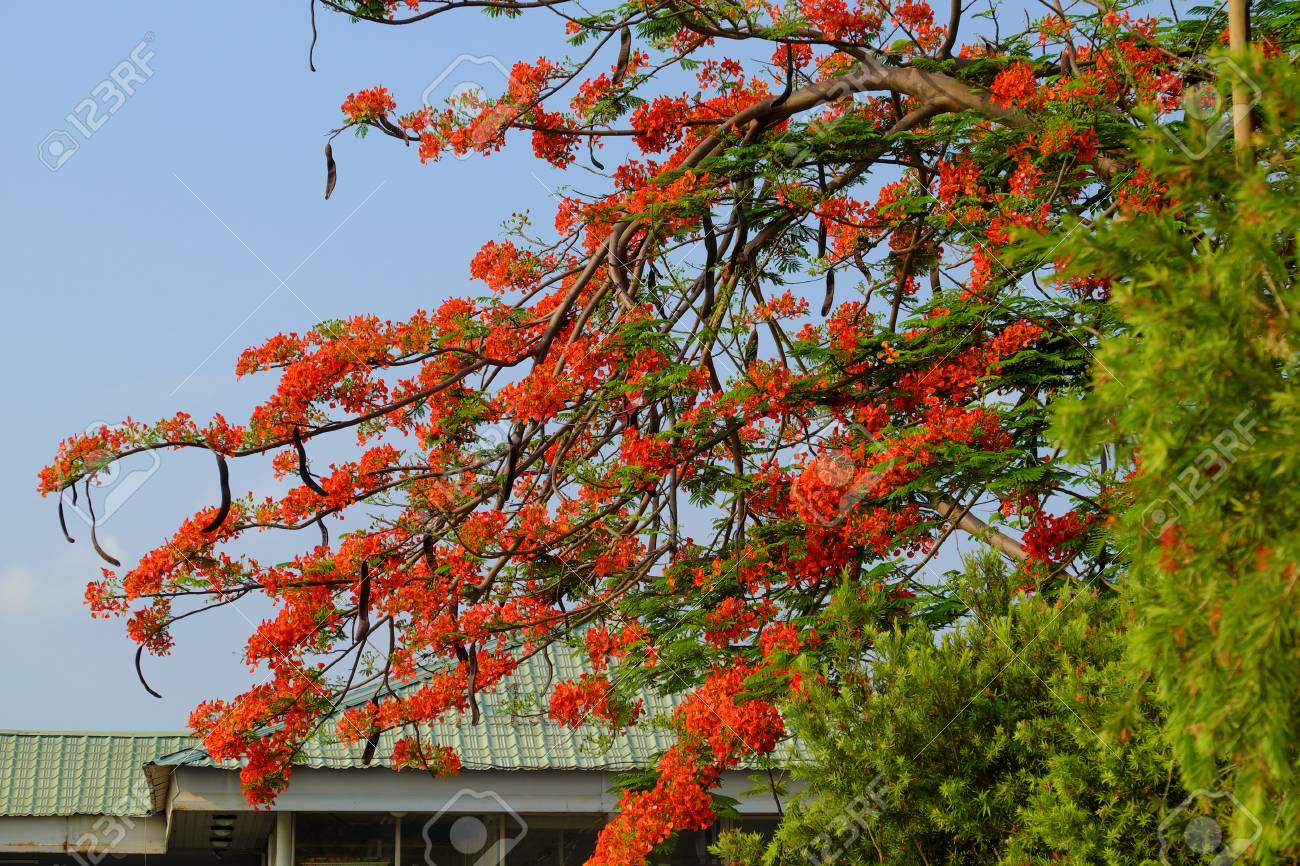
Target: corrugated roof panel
x=96 y=773
x=505 y=740
x=79 y=772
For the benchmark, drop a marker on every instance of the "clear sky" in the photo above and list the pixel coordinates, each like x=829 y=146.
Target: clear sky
x=162 y=207
x=137 y=269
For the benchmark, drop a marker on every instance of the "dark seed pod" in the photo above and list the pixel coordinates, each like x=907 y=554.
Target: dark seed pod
x=311 y=52
x=624 y=53
x=710 y=261
x=473 y=686
x=829 y=300
x=742 y=238
x=372 y=745
x=363 y=605
x=94 y=538
x=516 y=440
x=372 y=741
x=427 y=544
x=139 y=672
x=63 y=522
x=223 y=477
x=303 y=470
x=331 y=170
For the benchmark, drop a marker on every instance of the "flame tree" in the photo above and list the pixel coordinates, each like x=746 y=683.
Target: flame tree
x=795 y=344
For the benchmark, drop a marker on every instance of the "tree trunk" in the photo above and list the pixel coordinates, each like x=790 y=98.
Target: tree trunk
x=1238 y=40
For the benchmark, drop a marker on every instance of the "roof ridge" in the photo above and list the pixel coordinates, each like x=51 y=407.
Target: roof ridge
x=126 y=733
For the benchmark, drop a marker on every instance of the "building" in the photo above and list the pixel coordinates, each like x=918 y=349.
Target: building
x=530 y=792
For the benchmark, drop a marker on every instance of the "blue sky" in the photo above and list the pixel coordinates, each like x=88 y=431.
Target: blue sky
x=139 y=268
x=153 y=235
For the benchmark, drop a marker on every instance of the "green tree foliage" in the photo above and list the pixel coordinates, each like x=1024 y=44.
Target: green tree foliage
x=1151 y=715
x=990 y=743
x=1197 y=390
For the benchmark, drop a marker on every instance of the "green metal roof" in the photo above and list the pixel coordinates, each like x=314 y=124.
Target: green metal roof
x=97 y=773
x=504 y=739
x=80 y=772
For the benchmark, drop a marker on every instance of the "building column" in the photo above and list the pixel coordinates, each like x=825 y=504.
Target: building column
x=283 y=839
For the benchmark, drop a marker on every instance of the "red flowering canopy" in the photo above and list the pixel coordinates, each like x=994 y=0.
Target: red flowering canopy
x=696 y=452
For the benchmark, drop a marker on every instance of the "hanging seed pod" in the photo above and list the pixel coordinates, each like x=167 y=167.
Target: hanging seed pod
x=303 y=469
x=624 y=53
x=372 y=740
x=427 y=545
x=311 y=52
x=473 y=685
x=331 y=170
x=139 y=672
x=363 y=605
x=516 y=440
x=63 y=521
x=710 y=261
x=223 y=478
x=94 y=537
x=829 y=299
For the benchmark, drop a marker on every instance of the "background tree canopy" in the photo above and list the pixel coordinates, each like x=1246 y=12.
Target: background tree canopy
x=855 y=279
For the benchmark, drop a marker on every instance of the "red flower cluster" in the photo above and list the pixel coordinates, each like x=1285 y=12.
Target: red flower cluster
x=1050 y=538
x=365 y=105
x=1015 y=86
x=576 y=702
